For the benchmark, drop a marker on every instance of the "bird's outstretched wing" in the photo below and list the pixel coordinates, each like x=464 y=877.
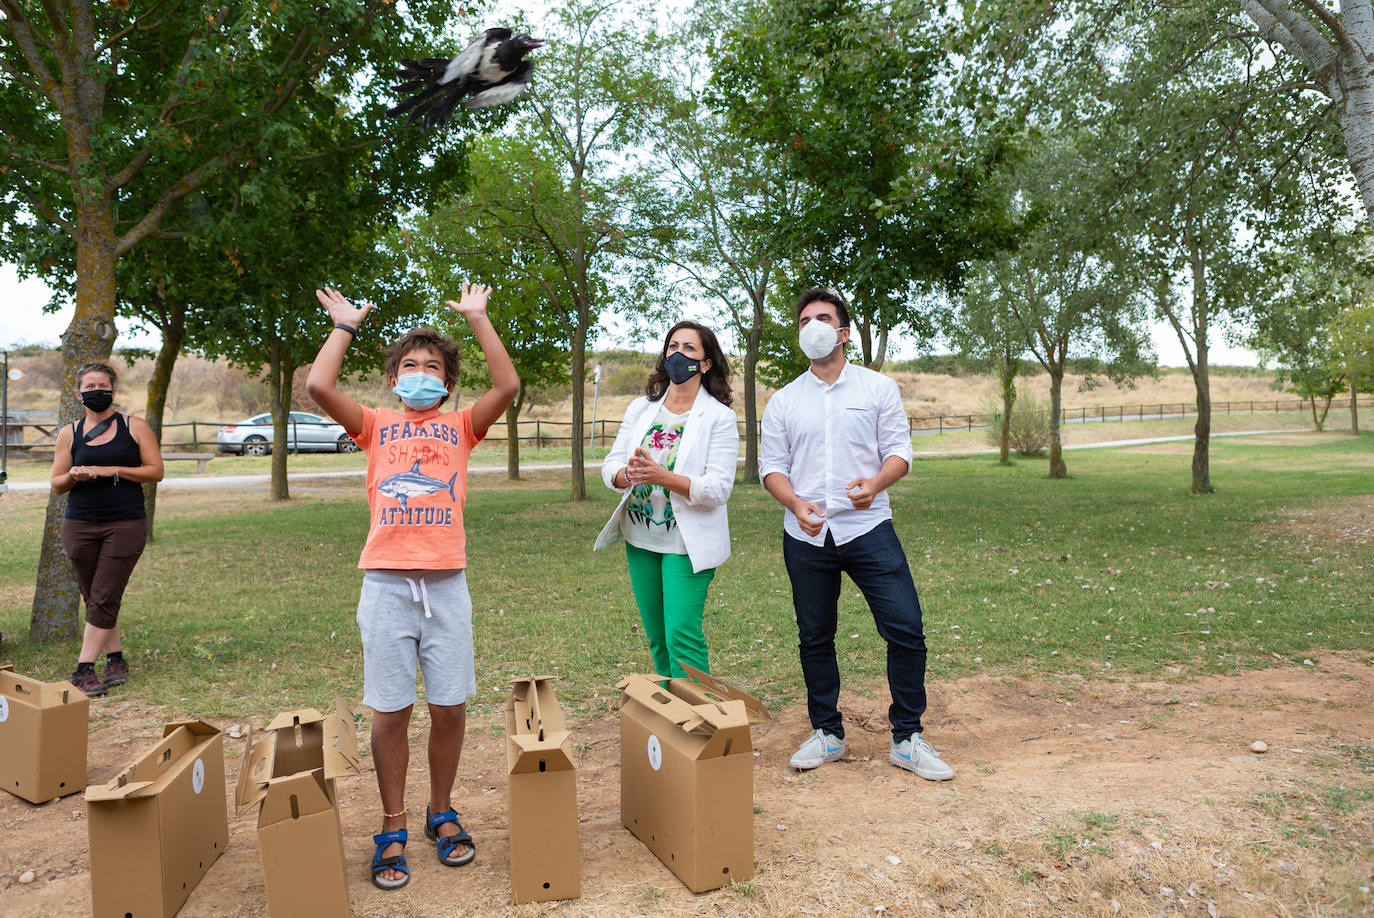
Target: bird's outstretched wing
x=466 y=61
x=499 y=94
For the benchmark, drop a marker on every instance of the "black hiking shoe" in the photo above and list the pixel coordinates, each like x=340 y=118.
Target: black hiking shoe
x=116 y=672
x=88 y=682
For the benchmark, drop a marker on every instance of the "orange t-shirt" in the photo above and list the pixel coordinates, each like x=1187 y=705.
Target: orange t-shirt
x=417 y=467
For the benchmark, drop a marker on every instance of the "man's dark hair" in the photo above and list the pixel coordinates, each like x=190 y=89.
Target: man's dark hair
x=822 y=295
x=418 y=338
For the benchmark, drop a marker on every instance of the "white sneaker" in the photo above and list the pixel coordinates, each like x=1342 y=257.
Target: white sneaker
x=820 y=747
x=916 y=755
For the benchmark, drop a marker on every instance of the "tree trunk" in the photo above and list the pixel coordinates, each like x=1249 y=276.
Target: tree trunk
x=1006 y=374
x=578 y=369
x=88 y=339
x=865 y=338
x=279 y=383
x=1356 y=108
x=751 y=399
x=173 y=333
x=1354 y=409
x=513 y=434
x=1057 y=467
x=1344 y=72
x=880 y=351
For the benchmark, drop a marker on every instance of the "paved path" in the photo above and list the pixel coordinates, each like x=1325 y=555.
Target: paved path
x=247 y=481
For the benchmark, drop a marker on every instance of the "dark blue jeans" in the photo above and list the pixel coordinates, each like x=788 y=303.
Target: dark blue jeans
x=877 y=565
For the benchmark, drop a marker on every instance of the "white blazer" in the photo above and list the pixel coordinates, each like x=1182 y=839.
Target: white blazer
x=708 y=455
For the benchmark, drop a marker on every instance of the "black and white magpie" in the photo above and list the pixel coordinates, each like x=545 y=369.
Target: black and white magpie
x=491 y=70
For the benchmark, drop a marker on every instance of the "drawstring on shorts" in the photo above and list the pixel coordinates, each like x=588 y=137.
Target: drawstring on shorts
x=420 y=595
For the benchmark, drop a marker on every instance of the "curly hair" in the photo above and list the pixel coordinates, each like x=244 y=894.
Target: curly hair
x=716 y=380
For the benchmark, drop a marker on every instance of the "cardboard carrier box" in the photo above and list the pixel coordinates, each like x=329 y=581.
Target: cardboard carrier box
x=290 y=768
x=157 y=828
x=544 y=861
x=42 y=737
x=687 y=775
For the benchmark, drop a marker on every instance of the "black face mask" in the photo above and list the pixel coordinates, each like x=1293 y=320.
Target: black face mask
x=680 y=367
x=97 y=399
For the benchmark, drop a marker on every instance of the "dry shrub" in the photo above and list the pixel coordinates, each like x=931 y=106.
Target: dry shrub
x=1030 y=425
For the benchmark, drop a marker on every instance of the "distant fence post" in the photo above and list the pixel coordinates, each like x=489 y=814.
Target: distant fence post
x=195 y=438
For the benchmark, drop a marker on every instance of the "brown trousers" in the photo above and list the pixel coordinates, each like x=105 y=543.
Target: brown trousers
x=104 y=554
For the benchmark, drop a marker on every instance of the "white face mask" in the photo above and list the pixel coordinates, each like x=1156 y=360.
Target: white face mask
x=818 y=339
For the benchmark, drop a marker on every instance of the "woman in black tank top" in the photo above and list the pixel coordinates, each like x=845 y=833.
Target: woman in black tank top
x=101 y=462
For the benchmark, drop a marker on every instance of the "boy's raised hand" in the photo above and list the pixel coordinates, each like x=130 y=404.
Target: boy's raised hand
x=340 y=309
x=472 y=302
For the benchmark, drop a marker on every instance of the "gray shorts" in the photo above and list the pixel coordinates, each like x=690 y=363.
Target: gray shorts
x=407 y=617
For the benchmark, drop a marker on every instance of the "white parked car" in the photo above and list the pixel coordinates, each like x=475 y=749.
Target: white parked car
x=304 y=433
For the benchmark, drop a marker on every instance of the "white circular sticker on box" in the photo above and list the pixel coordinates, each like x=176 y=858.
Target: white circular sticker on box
x=198 y=776
x=4 y=709
x=655 y=753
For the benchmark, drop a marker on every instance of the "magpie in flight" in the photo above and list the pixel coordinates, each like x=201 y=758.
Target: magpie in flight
x=491 y=70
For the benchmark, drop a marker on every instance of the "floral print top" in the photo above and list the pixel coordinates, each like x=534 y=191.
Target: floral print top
x=648 y=521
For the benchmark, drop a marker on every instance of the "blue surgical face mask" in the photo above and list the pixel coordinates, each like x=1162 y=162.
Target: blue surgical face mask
x=419 y=390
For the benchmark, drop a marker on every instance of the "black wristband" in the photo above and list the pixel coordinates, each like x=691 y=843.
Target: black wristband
x=348 y=328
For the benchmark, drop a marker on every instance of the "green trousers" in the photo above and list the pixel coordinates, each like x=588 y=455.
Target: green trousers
x=671 y=600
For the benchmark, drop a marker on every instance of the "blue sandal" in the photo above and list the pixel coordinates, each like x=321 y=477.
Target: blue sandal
x=447 y=845
x=397 y=862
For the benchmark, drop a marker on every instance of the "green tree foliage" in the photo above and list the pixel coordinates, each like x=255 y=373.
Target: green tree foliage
x=566 y=184
x=111 y=114
x=727 y=191
x=848 y=98
x=1309 y=288
x=1352 y=346
x=1062 y=294
x=450 y=249
x=1209 y=159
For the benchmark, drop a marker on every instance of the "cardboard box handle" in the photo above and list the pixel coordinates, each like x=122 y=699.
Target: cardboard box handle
x=164 y=758
x=22 y=689
x=295 y=807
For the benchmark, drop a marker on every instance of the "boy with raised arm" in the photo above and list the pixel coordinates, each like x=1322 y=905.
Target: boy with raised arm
x=414 y=605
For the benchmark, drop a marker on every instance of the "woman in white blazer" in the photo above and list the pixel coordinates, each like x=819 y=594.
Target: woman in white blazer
x=674 y=463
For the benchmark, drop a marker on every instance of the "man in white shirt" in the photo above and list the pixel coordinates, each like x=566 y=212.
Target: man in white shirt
x=834 y=440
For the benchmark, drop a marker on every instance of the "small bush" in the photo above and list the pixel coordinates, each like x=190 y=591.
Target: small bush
x=1030 y=425
x=625 y=381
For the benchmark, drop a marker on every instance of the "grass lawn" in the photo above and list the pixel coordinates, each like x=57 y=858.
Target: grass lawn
x=245 y=606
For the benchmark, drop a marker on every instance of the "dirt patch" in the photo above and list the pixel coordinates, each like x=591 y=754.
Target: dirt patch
x=1349 y=521
x=1072 y=797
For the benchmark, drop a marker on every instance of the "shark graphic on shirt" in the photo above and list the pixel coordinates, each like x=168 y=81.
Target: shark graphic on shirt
x=404 y=485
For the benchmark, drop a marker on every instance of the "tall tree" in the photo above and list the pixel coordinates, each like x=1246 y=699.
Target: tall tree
x=1310 y=286
x=108 y=103
x=728 y=191
x=570 y=186
x=316 y=207
x=1352 y=344
x=451 y=250
x=984 y=326
x=1214 y=160
x=848 y=97
x=1063 y=289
